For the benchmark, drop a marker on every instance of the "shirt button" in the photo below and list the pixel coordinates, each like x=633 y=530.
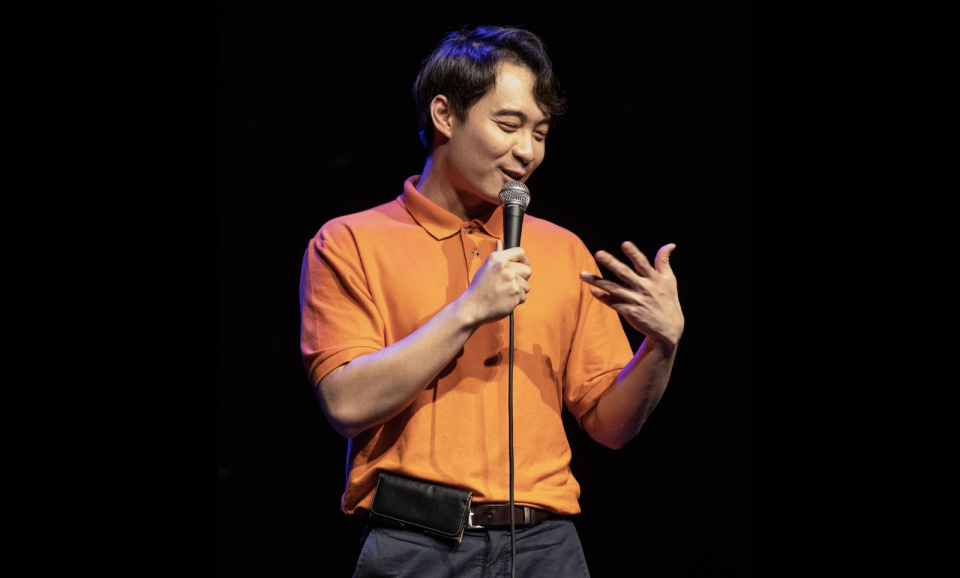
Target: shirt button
x=475 y=254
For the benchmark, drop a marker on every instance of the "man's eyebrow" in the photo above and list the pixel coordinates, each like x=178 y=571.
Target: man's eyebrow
x=520 y=115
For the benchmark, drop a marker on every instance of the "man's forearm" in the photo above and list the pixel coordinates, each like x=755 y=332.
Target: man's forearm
x=373 y=388
x=621 y=411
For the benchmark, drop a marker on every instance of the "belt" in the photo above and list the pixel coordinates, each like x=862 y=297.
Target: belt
x=484 y=516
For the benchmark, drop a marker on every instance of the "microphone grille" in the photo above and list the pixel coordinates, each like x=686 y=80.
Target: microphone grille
x=515 y=192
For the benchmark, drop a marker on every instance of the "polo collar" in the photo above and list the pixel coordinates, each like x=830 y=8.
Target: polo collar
x=439 y=222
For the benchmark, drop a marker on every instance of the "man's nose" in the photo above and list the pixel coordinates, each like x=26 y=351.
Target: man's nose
x=523 y=147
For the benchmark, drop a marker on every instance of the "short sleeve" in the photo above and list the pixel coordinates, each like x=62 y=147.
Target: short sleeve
x=598 y=351
x=338 y=318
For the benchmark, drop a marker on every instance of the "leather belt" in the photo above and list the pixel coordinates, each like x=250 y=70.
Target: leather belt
x=484 y=516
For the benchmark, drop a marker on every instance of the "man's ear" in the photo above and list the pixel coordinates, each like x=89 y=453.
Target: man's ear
x=442 y=114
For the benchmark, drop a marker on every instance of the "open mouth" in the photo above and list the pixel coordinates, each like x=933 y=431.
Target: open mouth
x=510 y=176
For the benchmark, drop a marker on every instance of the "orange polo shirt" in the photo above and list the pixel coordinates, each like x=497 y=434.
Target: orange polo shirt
x=372 y=278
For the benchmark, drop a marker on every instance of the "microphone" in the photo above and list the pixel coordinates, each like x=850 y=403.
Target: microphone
x=515 y=197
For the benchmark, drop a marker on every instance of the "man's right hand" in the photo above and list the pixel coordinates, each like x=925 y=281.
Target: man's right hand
x=499 y=285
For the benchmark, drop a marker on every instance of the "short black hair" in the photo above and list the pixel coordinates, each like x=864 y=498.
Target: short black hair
x=464 y=66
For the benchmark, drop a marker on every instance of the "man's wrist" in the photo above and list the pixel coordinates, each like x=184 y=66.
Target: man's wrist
x=463 y=314
x=666 y=343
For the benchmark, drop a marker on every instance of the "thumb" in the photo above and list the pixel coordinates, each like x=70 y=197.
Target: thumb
x=662 y=261
x=499 y=245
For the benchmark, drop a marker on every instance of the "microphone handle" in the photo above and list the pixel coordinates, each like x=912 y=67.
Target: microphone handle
x=512 y=225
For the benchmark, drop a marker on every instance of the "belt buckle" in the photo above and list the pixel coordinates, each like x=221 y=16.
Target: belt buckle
x=470 y=524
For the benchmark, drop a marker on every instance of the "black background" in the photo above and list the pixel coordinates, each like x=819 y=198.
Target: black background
x=316 y=120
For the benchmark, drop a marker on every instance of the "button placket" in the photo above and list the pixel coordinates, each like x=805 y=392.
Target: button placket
x=470 y=252
x=473 y=241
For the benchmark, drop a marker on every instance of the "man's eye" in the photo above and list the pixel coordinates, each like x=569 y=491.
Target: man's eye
x=541 y=135
x=508 y=127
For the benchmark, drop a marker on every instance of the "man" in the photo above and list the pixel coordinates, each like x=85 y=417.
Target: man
x=404 y=326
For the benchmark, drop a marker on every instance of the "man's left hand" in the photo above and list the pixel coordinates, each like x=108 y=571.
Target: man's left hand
x=648 y=298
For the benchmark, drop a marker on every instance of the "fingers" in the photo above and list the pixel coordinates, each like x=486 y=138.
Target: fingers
x=523 y=285
x=625 y=273
x=611 y=301
x=515 y=276
x=611 y=287
x=499 y=245
x=641 y=265
x=603 y=286
x=522 y=271
x=515 y=255
x=639 y=260
x=662 y=260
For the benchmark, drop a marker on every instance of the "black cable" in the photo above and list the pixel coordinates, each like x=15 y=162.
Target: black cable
x=513 y=539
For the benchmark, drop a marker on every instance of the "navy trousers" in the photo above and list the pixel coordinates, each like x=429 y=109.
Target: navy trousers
x=551 y=549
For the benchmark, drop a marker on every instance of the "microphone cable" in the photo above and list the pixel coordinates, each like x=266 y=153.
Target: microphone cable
x=513 y=538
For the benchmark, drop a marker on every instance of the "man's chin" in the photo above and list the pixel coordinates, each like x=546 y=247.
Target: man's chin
x=488 y=193
x=489 y=197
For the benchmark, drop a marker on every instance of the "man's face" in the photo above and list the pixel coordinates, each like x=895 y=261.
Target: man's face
x=502 y=138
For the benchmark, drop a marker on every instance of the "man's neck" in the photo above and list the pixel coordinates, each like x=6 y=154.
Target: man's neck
x=435 y=186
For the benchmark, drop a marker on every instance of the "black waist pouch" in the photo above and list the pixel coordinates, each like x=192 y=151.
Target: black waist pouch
x=411 y=504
